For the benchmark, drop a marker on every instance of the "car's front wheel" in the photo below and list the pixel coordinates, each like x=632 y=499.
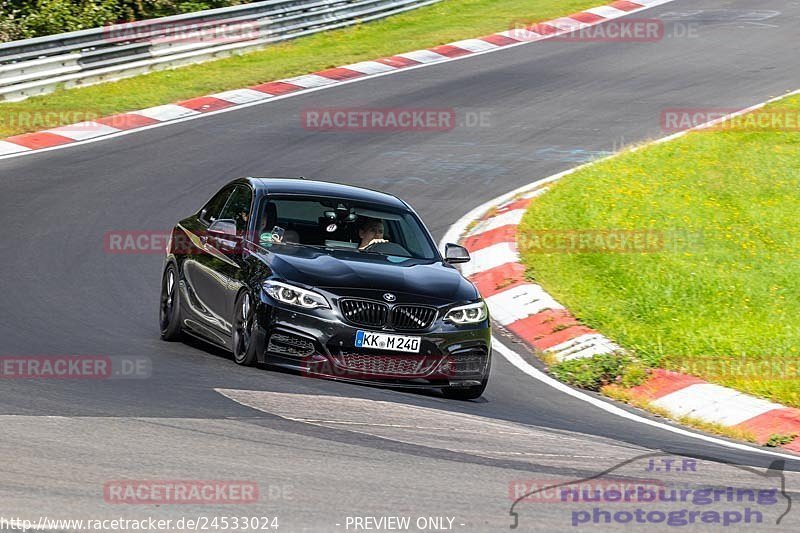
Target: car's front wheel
x=245 y=331
x=170 y=306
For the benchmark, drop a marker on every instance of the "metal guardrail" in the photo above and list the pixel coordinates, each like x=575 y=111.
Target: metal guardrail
x=40 y=65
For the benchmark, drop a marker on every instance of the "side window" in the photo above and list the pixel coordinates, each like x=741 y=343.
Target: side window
x=238 y=207
x=213 y=208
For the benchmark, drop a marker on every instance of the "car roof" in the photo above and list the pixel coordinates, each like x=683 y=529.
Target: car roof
x=267 y=185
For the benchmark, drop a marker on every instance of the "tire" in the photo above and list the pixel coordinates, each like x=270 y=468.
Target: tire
x=170 y=305
x=246 y=337
x=465 y=393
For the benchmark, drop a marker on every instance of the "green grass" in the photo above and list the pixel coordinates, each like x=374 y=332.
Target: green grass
x=594 y=373
x=779 y=440
x=430 y=26
x=724 y=288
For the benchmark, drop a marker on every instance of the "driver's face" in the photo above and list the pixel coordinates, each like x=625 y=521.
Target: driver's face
x=374 y=231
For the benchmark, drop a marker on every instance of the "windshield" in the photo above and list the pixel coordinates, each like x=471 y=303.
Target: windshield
x=341 y=224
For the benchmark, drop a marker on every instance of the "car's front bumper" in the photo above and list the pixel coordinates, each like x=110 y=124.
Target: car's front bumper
x=319 y=344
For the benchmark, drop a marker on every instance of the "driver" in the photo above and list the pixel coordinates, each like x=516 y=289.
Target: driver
x=370 y=231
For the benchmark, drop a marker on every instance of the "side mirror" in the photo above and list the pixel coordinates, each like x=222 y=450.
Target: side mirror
x=454 y=253
x=223 y=226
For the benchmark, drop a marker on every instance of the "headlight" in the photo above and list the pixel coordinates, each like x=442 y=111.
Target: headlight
x=467 y=314
x=289 y=294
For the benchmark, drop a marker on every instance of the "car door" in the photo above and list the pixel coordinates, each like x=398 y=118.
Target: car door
x=222 y=258
x=199 y=269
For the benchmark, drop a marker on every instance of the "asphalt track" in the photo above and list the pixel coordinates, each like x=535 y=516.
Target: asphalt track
x=329 y=451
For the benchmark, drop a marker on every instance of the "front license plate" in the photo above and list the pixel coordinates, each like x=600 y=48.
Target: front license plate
x=383 y=341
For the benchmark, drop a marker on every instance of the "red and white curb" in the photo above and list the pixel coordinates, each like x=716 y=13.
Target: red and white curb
x=528 y=311
x=129 y=122
x=684 y=395
x=522 y=307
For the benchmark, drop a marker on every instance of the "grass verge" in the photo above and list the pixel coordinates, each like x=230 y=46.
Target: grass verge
x=717 y=295
x=441 y=23
x=594 y=373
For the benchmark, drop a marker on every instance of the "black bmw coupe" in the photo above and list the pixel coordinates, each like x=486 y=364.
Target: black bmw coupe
x=329 y=280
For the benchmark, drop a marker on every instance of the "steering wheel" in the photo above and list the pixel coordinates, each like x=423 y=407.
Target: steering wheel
x=387 y=248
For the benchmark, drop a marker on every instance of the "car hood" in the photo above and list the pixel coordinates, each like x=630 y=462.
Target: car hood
x=355 y=271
